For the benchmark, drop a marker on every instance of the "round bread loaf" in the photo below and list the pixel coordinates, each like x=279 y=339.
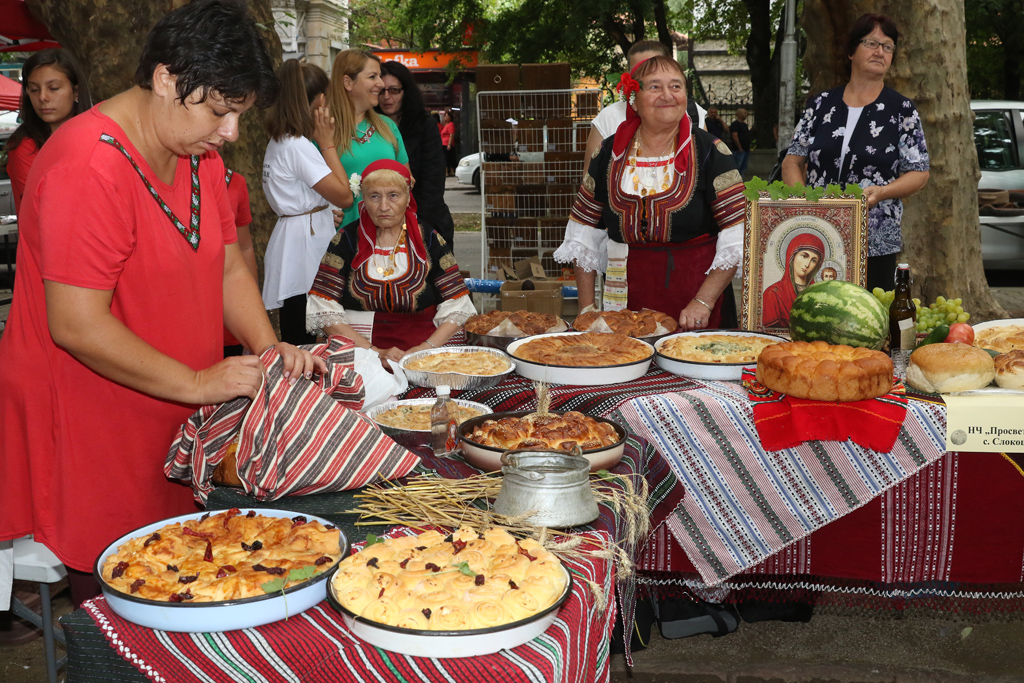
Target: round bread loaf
x=1010 y=369
x=945 y=368
x=821 y=371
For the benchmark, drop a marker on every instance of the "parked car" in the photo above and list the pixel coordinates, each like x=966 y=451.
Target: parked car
x=468 y=171
x=999 y=139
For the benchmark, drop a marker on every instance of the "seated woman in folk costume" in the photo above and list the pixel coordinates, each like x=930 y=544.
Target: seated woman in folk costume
x=388 y=283
x=660 y=210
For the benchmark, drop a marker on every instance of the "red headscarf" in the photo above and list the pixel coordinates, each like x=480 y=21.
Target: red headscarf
x=627 y=129
x=367 y=229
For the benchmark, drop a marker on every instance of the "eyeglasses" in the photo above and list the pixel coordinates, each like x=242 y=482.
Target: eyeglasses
x=394 y=90
x=871 y=44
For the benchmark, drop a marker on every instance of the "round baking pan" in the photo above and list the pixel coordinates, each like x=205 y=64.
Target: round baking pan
x=416 y=437
x=701 y=370
x=225 y=615
x=579 y=375
x=451 y=644
x=458 y=381
x=488 y=458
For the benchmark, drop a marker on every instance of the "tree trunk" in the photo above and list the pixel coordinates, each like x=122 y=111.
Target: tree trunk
x=941 y=233
x=107 y=37
x=763 y=72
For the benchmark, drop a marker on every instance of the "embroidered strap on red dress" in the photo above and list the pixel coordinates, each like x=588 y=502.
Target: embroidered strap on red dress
x=189 y=232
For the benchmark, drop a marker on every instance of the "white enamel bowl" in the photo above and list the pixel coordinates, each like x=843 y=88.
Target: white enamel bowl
x=488 y=458
x=712 y=371
x=458 y=381
x=579 y=375
x=213 y=617
x=451 y=644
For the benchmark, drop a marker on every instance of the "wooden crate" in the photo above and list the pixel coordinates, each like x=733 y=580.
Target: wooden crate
x=560 y=135
x=554 y=76
x=498 y=173
x=587 y=105
x=533 y=173
x=500 y=201
x=560 y=199
x=531 y=200
x=530 y=136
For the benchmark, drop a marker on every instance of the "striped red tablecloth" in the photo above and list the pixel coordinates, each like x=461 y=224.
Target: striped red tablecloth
x=316 y=646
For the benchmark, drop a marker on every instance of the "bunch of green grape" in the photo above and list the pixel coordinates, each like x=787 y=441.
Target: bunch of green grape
x=942 y=310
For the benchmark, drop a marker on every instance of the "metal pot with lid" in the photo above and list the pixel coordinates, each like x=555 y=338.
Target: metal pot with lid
x=553 y=486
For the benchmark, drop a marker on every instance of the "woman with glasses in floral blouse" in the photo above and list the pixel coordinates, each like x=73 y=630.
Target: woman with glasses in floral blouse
x=866 y=134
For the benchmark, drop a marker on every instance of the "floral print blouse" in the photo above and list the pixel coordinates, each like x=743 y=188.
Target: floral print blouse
x=887 y=140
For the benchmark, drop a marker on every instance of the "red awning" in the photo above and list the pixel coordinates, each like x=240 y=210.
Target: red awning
x=10 y=94
x=34 y=46
x=17 y=22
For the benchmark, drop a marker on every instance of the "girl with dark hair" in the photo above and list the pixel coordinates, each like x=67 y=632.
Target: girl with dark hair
x=402 y=101
x=53 y=89
x=866 y=134
x=362 y=135
x=128 y=272
x=299 y=180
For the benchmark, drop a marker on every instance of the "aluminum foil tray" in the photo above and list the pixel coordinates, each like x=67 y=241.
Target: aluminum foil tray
x=458 y=381
x=416 y=437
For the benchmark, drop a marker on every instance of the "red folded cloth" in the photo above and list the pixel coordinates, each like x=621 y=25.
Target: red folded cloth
x=786 y=422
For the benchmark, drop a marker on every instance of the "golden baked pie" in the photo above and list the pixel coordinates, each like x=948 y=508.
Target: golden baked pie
x=551 y=430
x=824 y=372
x=715 y=348
x=1001 y=339
x=470 y=363
x=226 y=556
x=560 y=432
x=527 y=322
x=417 y=417
x=589 y=349
x=643 y=323
x=463 y=581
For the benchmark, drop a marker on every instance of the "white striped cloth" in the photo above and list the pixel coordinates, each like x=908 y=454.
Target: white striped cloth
x=292 y=439
x=744 y=504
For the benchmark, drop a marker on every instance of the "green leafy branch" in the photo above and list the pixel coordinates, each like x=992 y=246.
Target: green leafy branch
x=778 y=191
x=280 y=582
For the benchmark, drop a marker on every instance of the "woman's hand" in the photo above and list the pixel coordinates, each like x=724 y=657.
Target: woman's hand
x=339 y=216
x=229 y=379
x=394 y=353
x=695 y=316
x=874 y=194
x=323 y=128
x=299 y=362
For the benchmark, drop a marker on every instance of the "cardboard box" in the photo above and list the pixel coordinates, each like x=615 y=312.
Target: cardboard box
x=546 y=297
x=530 y=269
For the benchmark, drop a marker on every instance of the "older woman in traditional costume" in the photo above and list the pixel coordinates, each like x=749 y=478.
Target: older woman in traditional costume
x=387 y=282
x=660 y=210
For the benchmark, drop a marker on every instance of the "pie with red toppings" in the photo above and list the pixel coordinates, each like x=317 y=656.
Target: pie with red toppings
x=226 y=556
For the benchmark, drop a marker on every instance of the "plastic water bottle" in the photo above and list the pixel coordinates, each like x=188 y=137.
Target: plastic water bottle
x=442 y=421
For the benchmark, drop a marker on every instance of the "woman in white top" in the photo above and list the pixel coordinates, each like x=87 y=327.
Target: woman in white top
x=300 y=182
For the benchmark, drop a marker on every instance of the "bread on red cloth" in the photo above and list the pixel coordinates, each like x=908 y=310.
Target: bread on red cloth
x=785 y=421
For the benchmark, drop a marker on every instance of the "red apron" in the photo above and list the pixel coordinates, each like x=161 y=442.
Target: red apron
x=404 y=330
x=666 y=277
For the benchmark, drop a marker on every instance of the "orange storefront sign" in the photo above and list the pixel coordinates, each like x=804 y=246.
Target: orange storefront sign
x=431 y=59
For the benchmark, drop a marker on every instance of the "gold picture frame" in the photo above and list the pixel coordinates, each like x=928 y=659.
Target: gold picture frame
x=789 y=240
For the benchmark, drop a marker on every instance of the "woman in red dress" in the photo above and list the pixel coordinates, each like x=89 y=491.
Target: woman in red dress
x=803 y=259
x=53 y=89
x=128 y=272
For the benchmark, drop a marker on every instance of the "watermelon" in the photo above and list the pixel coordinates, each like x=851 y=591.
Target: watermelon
x=839 y=313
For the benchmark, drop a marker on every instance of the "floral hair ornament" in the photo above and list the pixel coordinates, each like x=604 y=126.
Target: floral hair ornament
x=628 y=87
x=355 y=183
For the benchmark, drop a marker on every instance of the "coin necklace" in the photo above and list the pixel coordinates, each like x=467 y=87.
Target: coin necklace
x=644 y=180
x=388 y=269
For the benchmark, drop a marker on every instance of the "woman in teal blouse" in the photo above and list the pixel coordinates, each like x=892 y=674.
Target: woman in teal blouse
x=363 y=136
